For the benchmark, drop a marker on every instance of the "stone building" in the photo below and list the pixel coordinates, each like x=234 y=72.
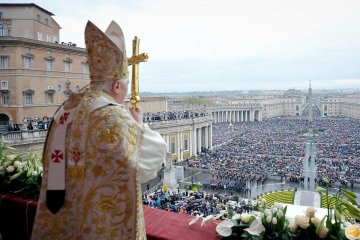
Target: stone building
x=347 y=105
x=37 y=71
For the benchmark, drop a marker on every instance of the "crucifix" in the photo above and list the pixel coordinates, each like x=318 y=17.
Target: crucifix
x=134 y=61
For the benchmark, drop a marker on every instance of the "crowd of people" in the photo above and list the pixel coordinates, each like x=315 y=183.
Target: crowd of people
x=30 y=123
x=171 y=115
x=338 y=150
x=192 y=203
x=276 y=147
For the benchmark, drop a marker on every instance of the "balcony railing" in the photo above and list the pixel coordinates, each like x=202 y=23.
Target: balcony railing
x=16 y=136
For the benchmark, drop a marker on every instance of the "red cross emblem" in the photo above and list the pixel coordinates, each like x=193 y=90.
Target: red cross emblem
x=57 y=156
x=64 y=117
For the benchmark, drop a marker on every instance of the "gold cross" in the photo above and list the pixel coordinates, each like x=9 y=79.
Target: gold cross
x=134 y=61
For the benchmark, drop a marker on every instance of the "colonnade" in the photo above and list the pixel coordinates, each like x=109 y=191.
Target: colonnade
x=220 y=116
x=186 y=142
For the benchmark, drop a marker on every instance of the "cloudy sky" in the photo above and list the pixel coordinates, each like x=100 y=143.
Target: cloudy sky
x=207 y=45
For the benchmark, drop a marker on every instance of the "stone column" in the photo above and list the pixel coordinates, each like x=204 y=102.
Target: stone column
x=210 y=136
x=190 y=143
x=178 y=143
x=181 y=146
x=241 y=116
x=206 y=137
x=194 y=143
x=167 y=142
x=199 y=140
x=251 y=115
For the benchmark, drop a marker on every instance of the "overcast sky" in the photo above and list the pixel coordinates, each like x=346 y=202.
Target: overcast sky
x=202 y=45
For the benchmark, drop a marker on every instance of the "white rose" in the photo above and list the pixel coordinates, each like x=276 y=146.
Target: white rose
x=267 y=212
x=280 y=213
x=323 y=232
x=10 y=169
x=34 y=173
x=236 y=217
x=6 y=164
x=40 y=169
x=268 y=219
x=293 y=227
x=262 y=215
x=302 y=221
x=245 y=217
x=278 y=205
x=274 y=220
x=315 y=221
x=17 y=164
x=274 y=210
x=310 y=212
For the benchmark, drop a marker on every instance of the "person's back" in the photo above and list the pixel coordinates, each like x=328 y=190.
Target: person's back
x=93 y=172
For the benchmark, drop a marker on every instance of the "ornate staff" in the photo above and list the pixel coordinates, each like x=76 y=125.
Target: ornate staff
x=134 y=61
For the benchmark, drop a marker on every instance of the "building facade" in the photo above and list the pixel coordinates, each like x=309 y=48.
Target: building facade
x=340 y=106
x=37 y=73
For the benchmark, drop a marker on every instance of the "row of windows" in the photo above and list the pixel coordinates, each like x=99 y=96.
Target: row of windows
x=59 y=87
x=49 y=38
x=28 y=96
x=49 y=64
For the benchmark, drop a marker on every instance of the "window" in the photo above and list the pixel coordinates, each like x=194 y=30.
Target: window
x=38 y=17
x=5 y=98
x=28 y=98
x=59 y=87
x=4 y=62
x=85 y=68
x=4 y=85
x=48 y=38
x=46 y=21
x=67 y=66
x=39 y=36
x=77 y=88
x=2 y=30
x=1 y=15
x=186 y=145
x=27 y=62
x=3 y=48
x=50 y=98
x=49 y=64
x=172 y=148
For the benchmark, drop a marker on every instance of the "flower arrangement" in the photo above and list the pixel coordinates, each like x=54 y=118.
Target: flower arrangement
x=20 y=174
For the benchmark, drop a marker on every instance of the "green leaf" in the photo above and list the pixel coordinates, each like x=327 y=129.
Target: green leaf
x=350 y=197
x=320 y=190
x=321 y=224
x=349 y=192
x=15 y=176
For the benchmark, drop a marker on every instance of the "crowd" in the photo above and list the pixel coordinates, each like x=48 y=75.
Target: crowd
x=254 y=151
x=197 y=202
x=338 y=150
x=275 y=147
x=171 y=115
x=30 y=123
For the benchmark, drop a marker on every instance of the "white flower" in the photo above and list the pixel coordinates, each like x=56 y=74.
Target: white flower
x=267 y=212
x=315 y=221
x=274 y=220
x=17 y=164
x=40 y=169
x=195 y=219
x=352 y=232
x=6 y=164
x=34 y=173
x=310 y=212
x=262 y=215
x=280 y=213
x=206 y=219
x=256 y=228
x=274 y=210
x=263 y=200
x=268 y=219
x=302 y=221
x=236 y=217
x=10 y=169
x=224 y=228
x=323 y=232
x=278 y=205
x=245 y=217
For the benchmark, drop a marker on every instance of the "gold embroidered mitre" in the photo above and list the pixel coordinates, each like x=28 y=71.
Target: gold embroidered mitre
x=106 y=53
